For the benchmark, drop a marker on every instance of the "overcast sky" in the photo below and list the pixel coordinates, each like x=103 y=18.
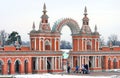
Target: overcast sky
x=18 y=15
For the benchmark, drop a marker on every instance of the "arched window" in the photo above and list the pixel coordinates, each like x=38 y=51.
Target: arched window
x=114 y=63
x=17 y=66
x=88 y=45
x=47 y=45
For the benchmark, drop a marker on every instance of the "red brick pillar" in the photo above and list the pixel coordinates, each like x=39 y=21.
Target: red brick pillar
x=12 y=68
x=4 y=68
x=106 y=62
x=96 y=62
x=21 y=68
x=111 y=64
x=117 y=64
x=29 y=66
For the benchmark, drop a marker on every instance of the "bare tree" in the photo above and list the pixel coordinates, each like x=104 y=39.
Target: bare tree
x=113 y=39
x=102 y=42
x=65 y=45
x=3 y=37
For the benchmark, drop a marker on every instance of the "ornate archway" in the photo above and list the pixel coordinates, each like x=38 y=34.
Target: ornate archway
x=72 y=24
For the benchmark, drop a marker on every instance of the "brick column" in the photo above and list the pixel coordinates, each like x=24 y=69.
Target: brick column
x=12 y=68
x=106 y=62
x=4 y=68
x=21 y=68
x=111 y=64
x=30 y=66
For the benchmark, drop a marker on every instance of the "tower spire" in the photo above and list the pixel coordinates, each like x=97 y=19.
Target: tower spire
x=85 y=28
x=95 y=28
x=33 y=26
x=85 y=11
x=44 y=16
x=44 y=9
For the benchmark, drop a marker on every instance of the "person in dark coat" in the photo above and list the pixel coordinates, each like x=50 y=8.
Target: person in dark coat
x=86 y=67
x=68 y=69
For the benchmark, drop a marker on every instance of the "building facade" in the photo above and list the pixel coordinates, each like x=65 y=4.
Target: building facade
x=44 y=54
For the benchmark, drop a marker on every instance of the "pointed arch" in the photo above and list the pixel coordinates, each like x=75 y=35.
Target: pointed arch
x=26 y=59
x=18 y=61
x=9 y=59
x=89 y=44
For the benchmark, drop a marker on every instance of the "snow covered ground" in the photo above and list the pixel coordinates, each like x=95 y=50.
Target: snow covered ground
x=60 y=76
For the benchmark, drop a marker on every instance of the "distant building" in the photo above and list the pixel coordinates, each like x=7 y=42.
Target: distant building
x=44 y=54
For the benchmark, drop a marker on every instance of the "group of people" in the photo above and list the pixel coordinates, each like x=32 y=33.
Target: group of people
x=83 y=70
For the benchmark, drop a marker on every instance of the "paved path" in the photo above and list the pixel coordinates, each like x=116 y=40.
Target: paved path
x=97 y=74
x=116 y=74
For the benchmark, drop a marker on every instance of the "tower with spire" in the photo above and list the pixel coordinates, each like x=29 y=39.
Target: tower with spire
x=90 y=40
x=44 y=17
x=44 y=25
x=85 y=23
x=42 y=38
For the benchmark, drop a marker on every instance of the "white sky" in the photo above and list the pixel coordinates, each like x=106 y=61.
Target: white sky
x=18 y=15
